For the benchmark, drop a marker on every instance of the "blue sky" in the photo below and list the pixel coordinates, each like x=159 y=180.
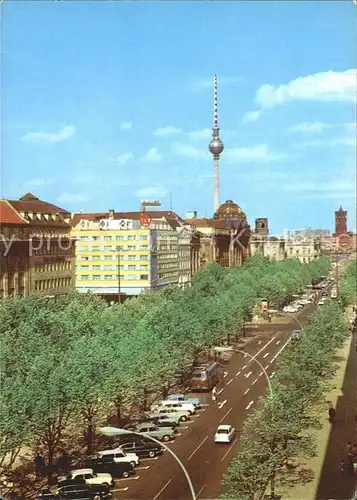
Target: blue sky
x=107 y=103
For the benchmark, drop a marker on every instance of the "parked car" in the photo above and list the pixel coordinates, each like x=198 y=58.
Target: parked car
x=77 y=488
x=162 y=420
x=190 y=408
x=290 y=309
x=91 y=477
x=176 y=414
x=116 y=469
x=160 y=433
x=224 y=434
x=182 y=398
x=46 y=494
x=119 y=456
x=142 y=449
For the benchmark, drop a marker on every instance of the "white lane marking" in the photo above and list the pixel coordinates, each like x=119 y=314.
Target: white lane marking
x=281 y=349
x=229 y=449
x=248 y=374
x=245 y=355
x=178 y=434
x=149 y=458
x=265 y=355
x=140 y=468
x=162 y=489
x=199 y=493
x=272 y=375
x=255 y=381
x=246 y=392
x=135 y=478
x=186 y=427
x=278 y=342
x=237 y=373
x=121 y=489
x=228 y=412
x=250 y=404
x=259 y=342
x=220 y=405
x=202 y=405
x=230 y=381
x=266 y=367
x=220 y=391
x=198 y=447
x=244 y=367
x=225 y=374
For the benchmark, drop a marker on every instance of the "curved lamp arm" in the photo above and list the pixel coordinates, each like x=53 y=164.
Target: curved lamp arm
x=116 y=431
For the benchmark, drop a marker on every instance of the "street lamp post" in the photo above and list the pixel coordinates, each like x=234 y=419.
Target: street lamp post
x=116 y=431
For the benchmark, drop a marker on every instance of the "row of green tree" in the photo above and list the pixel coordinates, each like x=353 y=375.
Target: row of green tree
x=279 y=435
x=71 y=362
x=348 y=288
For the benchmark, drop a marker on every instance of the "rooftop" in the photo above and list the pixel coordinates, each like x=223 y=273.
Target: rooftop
x=8 y=215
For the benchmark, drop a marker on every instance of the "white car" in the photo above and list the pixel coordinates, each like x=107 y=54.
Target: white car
x=92 y=478
x=224 y=434
x=290 y=309
x=190 y=408
x=118 y=455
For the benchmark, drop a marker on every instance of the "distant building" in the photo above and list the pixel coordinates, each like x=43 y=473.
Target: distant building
x=340 y=222
x=304 y=249
x=36 y=251
x=306 y=233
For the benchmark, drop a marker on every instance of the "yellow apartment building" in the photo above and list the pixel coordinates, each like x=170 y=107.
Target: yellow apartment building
x=117 y=257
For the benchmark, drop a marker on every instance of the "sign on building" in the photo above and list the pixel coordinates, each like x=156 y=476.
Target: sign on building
x=116 y=224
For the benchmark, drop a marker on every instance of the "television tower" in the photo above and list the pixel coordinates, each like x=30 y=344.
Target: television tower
x=215 y=146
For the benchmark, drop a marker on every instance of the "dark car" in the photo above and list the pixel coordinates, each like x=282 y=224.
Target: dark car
x=142 y=448
x=116 y=469
x=46 y=494
x=73 y=489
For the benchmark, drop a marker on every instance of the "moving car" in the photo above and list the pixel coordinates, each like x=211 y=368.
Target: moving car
x=116 y=469
x=182 y=398
x=119 y=456
x=142 y=449
x=224 y=434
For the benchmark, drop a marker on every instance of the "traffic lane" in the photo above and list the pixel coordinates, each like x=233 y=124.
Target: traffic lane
x=194 y=436
x=207 y=464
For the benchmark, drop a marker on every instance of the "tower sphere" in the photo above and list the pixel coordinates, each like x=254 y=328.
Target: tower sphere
x=216 y=146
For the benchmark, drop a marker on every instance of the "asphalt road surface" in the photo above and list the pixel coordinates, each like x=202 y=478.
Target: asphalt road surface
x=244 y=382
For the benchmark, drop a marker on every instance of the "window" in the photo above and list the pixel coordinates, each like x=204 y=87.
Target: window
x=107 y=267
x=83 y=277
x=144 y=257
x=131 y=257
x=95 y=257
x=144 y=276
x=108 y=277
x=119 y=237
x=107 y=247
x=143 y=266
x=132 y=266
x=96 y=277
x=131 y=237
x=95 y=267
x=108 y=257
x=131 y=247
x=107 y=238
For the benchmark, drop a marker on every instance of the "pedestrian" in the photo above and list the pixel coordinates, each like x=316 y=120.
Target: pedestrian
x=348 y=448
x=39 y=464
x=332 y=415
x=342 y=466
x=350 y=463
x=214 y=394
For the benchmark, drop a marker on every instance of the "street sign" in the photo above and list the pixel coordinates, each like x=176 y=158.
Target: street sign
x=145 y=219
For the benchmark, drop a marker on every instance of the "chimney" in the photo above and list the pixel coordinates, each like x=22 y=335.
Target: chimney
x=111 y=213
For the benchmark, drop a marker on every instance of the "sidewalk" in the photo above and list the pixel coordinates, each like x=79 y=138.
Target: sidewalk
x=327 y=482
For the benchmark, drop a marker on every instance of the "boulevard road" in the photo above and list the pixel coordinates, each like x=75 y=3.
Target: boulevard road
x=244 y=383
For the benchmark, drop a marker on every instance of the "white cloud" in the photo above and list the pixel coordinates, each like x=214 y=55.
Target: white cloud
x=122 y=159
x=189 y=151
x=257 y=153
x=327 y=86
x=167 y=131
x=224 y=81
x=126 y=126
x=72 y=198
x=323 y=143
x=51 y=137
x=152 y=156
x=37 y=183
x=152 y=192
x=251 y=116
x=198 y=135
x=309 y=127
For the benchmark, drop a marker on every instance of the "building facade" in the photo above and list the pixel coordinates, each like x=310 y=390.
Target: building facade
x=37 y=253
x=118 y=257
x=303 y=249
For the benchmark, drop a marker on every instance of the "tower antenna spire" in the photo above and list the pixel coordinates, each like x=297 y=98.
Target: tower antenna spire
x=216 y=146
